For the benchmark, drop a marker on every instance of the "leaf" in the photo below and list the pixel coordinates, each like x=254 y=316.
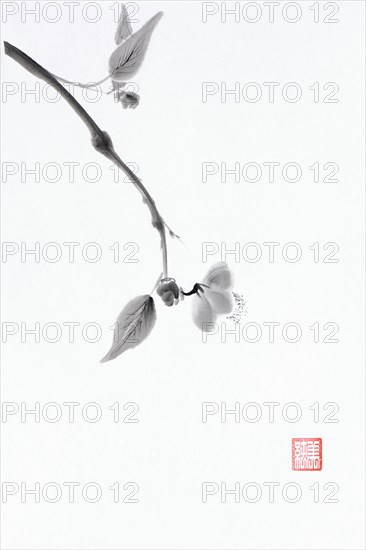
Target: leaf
x=126 y=60
x=124 y=28
x=133 y=326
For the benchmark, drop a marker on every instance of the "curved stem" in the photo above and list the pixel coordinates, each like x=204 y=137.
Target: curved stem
x=157 y=220
x=100 y=139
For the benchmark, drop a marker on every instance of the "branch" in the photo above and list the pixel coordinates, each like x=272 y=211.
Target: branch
x=100 y=139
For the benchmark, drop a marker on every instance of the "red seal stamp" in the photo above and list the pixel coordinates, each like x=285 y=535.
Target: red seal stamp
x=307 y=454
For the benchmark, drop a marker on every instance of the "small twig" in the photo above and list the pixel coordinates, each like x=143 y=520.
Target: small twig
x=100 y=139
x=80 y=84
x=157 y=283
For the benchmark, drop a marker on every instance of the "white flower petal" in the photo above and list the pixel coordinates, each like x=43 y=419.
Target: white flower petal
x=221 y=301
x=219 y=277
x=202 y=312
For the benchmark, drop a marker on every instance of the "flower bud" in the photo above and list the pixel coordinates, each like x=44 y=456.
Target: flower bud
x=129 y=100
x=169 y=291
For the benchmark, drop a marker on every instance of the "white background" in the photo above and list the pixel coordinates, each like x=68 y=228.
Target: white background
x=171 y=452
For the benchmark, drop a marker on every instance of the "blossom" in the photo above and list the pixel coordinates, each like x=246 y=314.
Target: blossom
x=214 y=297
x=169 y=291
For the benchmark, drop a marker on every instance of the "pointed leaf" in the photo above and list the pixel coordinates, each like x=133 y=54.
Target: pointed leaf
x=124 y=28
x=134 y=324
x=126 y=60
